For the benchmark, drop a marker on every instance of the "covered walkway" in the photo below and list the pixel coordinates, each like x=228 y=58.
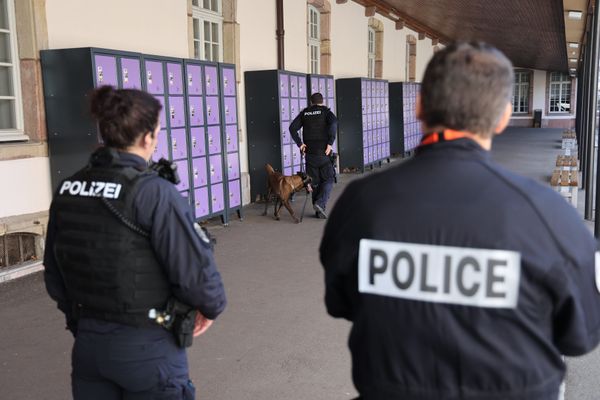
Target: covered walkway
x=275 y=340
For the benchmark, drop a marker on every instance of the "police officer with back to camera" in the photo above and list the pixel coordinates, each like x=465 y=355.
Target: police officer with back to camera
x=462 y=279
x=319 y=129
x=124 y=260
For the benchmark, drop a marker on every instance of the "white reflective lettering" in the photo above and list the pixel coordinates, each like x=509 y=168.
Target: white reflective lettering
x=75 y=188
x=65 y=186
x=442 y=274
x=83 y=192
x=99 y=188
x=117 y=191
x=109 y=190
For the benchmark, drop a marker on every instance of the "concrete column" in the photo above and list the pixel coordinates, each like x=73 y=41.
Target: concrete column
x=593 y=104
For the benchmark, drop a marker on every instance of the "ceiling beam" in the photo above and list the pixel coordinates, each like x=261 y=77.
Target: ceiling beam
x=341 y=1
x=370 y=11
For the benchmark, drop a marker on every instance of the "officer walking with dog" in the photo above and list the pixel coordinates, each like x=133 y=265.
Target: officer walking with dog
x=124 y=260
x=319 y=129
x=462 y=280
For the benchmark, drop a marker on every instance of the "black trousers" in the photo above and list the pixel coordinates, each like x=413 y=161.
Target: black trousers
x=320 y=169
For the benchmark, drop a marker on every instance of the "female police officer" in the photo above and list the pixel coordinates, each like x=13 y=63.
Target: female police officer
x=121 y=241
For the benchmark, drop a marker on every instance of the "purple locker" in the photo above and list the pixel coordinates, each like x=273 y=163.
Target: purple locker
x=314 y=85
x=303 y=103
x=233 y=166
x=302 y=88
x=294 y=108
x=182 y=170
x=365 y=155
x=162 y=147
x=228 y=75
x=287 y=171
x=200 y=176
x=163 y=111
x=176 y=112
x=286 y=155
x=330 y=87
x=194 y=79
x=201 y=204
x=178 y=144
x=230 y=110
x=216 y=168
x=214 y=139
x=198 y=142
x=293 y=86
x=210 y=80
x=284 y=85
x=217 y=198
x=235 y=198
x=363 y=87
x=284 y=107
x=365 y=139
x=296 y=168
x=364 y=105
x=154 y=77
x=231 y=133
x=106 y=70
x=322 y=86
x=130 y=73
x=286 y=137
x=296 y=155
x=196 y=110
x=212 y=110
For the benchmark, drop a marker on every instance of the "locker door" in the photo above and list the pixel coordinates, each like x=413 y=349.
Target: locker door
x=176 y=112
x=179 y=144
x=233 y=166
x=131 y=75
x=215 y=168
x=210 y=80
x=293 y=86
x=163 y=111
x=182 y=170
x=314 y=85
x=154 y=77
x=106 y=70
x=201 y=202
x=212 y=110
x=200 y=175
x=198 y=142
x=302 y=87
x=194 y=79
x=196 y=110
x=217 y=198
x=228 y=75
x=162 y=147
x=286 y=155
x=231 y=136
x=284 y=85
x=230 y=110
x=175 y=83
x=235 y=198
x=214 y=139
x=284 y=107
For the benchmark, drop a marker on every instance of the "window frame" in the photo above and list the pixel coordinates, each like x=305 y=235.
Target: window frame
x=371 y=51
x=565 y=86
x=314 y=42
x=17 y=133
x=203 y=15
x=523 y=89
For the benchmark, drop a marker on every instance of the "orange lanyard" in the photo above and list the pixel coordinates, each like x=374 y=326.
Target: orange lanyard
x=444 y=136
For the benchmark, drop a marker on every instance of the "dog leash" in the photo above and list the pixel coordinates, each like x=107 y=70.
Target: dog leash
x=302 y=169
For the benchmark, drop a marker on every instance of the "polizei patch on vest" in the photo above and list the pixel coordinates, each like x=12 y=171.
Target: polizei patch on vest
x=440 y=274
x=109 y=190
x=316 y=112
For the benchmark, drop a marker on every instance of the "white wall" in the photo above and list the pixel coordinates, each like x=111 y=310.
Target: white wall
x=349 y=40
x=147 y=26
x=295 y=25
x=28 y=181
x=539 y=91
x=394 y=51
x=424 y=54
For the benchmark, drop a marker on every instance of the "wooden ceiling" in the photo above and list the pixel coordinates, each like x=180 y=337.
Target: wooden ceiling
x=531 y=33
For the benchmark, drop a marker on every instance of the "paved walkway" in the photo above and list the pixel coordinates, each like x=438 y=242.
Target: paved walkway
x=275 y=340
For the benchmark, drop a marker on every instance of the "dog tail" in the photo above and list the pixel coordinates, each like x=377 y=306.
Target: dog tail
x=269 y=169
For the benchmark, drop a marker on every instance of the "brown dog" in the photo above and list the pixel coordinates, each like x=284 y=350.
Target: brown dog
x=283 y=187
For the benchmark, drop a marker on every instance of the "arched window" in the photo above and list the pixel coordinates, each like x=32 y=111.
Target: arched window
x=371 y=53
x=314 y=40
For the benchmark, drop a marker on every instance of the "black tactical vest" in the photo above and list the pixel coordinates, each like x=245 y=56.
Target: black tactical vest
x=314 y=129
x=110 y=270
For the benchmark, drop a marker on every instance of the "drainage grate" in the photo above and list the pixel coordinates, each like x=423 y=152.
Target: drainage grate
x=17 y=248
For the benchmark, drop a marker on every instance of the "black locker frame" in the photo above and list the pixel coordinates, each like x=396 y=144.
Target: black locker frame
x=263 y=125
x=350 y=123
x=238 y=209
x=396 y=103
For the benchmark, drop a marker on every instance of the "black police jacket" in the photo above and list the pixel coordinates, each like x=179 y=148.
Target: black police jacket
x=462 y=279
x=111 y=272
x=319 y=127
